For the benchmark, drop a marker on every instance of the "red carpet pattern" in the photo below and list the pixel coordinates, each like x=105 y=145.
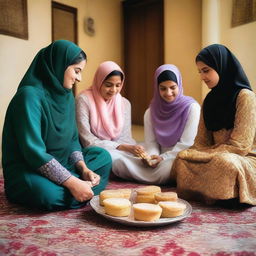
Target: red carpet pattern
x=209 y=230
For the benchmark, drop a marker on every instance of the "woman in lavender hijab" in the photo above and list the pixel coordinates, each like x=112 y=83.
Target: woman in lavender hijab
x=170 y=125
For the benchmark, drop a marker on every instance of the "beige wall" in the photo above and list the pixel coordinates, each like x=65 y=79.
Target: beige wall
x=107 y=42
x=182 y=28
x=240 y=40
x=17 y=54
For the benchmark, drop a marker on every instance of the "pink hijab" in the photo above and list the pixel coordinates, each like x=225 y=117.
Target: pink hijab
x=106 y=117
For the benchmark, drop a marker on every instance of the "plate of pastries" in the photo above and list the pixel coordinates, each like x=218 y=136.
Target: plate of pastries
x=144 y=206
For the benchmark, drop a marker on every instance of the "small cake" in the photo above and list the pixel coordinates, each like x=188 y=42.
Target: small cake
x=126 y=192
x=147 y=194
x=117 y=207
x=110 y=193
x=150 y=198
x=152 y=189
x=166 y=196
x=171 y=209
x=146 y=212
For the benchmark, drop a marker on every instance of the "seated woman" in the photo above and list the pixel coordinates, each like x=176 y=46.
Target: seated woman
x=92 y=104
x=103 y=115
x=222 y=162
x=170 y=122
x=170 y=125
x=43 y=164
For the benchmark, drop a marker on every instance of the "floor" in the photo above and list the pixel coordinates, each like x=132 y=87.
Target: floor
x=207 y=231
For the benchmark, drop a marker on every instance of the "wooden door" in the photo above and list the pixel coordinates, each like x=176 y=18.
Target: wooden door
x=143 y=42
x=64 y=24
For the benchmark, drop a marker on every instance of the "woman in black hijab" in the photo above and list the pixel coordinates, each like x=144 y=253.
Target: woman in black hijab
x=222 y=162
x=219 y=107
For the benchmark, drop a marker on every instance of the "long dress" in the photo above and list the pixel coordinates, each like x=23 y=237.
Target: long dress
x=40 y=143
x=32 y=149
x=222 y=164
x=129 y=167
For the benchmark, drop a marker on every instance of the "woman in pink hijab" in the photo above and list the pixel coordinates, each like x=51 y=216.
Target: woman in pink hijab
x=103 y=115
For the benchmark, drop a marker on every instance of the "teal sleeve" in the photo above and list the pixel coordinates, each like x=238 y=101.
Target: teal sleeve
x=27 y=114
x=75 y=145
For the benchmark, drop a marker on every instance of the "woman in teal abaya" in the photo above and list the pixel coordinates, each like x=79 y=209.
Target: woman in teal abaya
x=43 y=163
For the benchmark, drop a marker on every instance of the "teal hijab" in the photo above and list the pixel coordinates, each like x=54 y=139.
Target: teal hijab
x=40 y=121
x=46 y=73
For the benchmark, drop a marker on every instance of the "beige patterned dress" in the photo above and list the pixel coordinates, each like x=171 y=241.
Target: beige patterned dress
x=222 y=164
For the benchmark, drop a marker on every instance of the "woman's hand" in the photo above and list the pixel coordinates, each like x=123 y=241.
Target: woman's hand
x=80 y=189
x=152 y=161
x=91 y=176
x=87 y=174
x=155 y=160
x=136 y=150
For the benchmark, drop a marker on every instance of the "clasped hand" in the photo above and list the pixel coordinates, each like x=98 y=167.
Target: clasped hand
x=91 y=177
x=153 y=161
x=81 y=189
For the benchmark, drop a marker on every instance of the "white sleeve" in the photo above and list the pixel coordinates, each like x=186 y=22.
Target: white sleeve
x=87 y=138
x=189 y=133
x=151 y=145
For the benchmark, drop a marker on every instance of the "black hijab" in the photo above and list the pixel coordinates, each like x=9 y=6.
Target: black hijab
x=219 y=107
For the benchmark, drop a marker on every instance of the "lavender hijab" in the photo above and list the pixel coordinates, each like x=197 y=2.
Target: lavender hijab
x=169 y=118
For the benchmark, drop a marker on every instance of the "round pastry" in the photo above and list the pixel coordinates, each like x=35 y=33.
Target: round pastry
x=148 y=190
x=146 y=212
x=117 y=207
x=126 y=192
x=150 y=198
x=147 y=194
x=171 y=209
x=110 y=193
x=166 y=196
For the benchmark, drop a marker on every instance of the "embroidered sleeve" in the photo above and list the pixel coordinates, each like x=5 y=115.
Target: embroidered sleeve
x=75 y=157
x=54 y=171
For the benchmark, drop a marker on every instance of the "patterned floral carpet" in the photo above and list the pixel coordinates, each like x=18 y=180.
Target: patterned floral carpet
x=207 y=231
